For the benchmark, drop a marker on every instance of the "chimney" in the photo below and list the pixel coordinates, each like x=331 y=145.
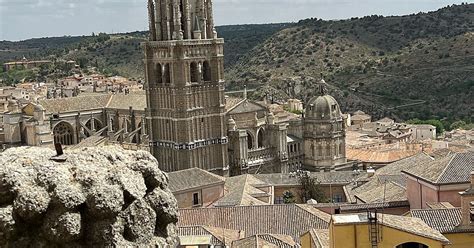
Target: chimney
x=467 y=205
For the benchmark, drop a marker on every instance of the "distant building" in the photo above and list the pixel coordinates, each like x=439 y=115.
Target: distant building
x=24 y=64
x=422 y=132
x=359 y=118
x=294 y=105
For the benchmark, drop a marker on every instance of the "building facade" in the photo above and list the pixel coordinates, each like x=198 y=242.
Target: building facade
x=324 y=133
x=185 y=87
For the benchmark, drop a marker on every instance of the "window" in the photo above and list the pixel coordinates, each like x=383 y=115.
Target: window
x=279 y=200
x=337 y=198
x=196 y=201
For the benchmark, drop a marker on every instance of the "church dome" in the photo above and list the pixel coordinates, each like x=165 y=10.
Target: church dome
x=323 y=107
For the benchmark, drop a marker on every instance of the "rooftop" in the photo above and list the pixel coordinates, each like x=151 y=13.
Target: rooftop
x=411 y=225
x=266 y=240
x=288 y=219
x=94 y=102
x=242 y=191
x=192 y=178
x=217 y=235
x=444 y=220
x=450 y=169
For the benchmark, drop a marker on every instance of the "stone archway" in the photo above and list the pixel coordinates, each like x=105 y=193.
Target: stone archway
x=63 y=134
x=412 y=245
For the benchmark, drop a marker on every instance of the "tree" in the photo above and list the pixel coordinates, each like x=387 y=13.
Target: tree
x=288 y=197
x=311 y=188
x=457 y=125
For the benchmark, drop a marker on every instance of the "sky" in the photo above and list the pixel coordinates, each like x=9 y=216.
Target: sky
x=24 y=19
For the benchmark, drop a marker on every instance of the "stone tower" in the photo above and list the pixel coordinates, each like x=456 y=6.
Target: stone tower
x=324 y=133
x=184 y=62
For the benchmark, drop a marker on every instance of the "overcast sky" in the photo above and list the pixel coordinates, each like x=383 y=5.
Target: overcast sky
x=23 y=19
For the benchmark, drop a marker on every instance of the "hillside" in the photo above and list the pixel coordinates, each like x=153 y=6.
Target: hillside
x=121 y=53
x=377 y=64
x=415 y=66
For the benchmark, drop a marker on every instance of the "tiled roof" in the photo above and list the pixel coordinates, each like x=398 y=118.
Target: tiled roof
x=241 y=191
x=373 y=190
x=365 y=206
x=71 y=104
x=288 y=219
x=453 y=168
x=218 y=235
x=192 y=178
x=411 y=225
x=231 y=102
x=136 y=101
x=265 y=241
x=93 y=102
x=320 y=237
x=383 y=192
x=444 y=220
x=378 y=156
x=396 y=168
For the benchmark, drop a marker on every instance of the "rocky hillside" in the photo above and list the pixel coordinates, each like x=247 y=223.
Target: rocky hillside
x=415 y=66
x=121 y=53
x=409 y=66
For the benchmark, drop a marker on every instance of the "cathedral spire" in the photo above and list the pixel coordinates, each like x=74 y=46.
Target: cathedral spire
x=151 y=21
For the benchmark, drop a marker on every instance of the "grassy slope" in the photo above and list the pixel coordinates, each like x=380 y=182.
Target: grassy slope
x=122 y=54
x=373 y=63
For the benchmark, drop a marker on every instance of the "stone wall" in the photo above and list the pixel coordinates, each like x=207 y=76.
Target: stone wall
x=98 y=197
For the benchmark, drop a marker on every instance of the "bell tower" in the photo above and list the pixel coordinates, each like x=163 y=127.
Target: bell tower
x=184 y=62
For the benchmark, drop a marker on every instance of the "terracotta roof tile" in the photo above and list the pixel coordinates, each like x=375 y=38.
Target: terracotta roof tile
x=453 y=168
x=265 y=241
x=292 y=220
x=192 y=178
x=444 y=220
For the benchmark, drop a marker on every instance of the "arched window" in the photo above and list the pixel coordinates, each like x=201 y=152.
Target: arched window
x=249 y=141
x=167 y=74
x=261 y=138
x=159 y=74
x=63 y=134
x=194 y=70
x=206 y=69
x=93 y=125
x=412 y=245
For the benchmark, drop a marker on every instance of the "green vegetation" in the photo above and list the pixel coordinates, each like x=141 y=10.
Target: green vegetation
x=415 y=66
x=407 y=67
x=16 y=76
x=311 y=188
x=288 y=197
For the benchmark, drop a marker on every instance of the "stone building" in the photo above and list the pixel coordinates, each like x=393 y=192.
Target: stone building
x=324 y=133
x=184 y=118
x=185 y=87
